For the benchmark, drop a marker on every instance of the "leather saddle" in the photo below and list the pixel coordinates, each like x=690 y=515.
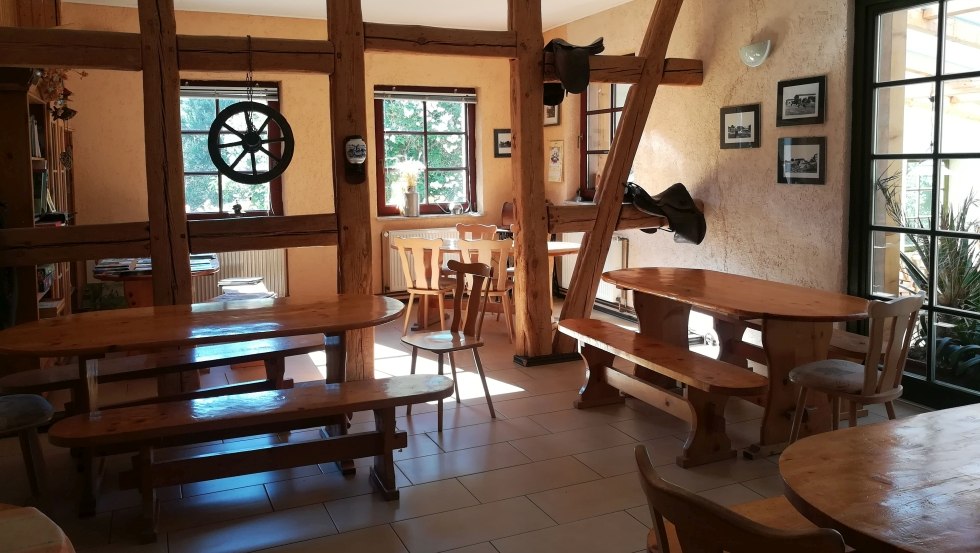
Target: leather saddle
x=676 y=204
x=572 y=68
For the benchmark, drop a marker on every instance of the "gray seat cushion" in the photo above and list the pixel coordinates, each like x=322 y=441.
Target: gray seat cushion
x=20 y=411
x=834 y=375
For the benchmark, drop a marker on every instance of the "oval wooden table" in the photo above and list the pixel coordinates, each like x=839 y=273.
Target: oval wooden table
x=797 y=323
x=908 y=485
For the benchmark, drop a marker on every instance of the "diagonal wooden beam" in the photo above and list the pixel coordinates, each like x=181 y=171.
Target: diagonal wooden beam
x=417 y=39
x=609 y=198
x=169 y=248
x=532 y=283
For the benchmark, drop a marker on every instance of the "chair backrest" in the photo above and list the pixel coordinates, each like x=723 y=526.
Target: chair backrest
x=705 y=527
x=892 y=325
x=476 y=232
x=490 y=252
x=474 y=278
x=420 y=261
x=508 y=215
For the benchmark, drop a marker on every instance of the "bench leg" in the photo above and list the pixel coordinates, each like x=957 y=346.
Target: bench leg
x=383 y=471
x=275 y=371
x=91 y=470
x=708 y=441
x=596 y=390
x=30 y=449
x=148 y=494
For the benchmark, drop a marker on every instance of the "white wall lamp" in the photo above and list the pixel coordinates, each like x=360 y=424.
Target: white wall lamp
x=754 y=54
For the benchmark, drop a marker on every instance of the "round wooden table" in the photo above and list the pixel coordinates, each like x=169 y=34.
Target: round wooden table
x=908 y=485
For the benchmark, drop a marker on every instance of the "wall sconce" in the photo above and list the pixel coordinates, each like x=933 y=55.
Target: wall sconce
x=754 y=54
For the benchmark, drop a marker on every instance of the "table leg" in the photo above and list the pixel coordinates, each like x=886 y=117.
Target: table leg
x=729 y=336
x=336 y=353
x=787 y=345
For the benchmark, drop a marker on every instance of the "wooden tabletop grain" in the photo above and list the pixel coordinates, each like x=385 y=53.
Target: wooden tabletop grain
x=740 y=297
x=910 y=485
x=148 y=328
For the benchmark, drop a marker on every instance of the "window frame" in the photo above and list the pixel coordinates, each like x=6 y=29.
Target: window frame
x=425 y=208
x=275 y=185
x=585 y=191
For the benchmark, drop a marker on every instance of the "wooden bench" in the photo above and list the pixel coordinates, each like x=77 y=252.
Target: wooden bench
x=706 y=383
x=270 y=351
x=311 y=404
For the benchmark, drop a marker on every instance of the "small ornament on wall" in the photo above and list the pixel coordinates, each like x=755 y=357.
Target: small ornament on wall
x=556 y=160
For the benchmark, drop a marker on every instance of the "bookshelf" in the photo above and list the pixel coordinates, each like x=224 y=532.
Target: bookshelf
x=39 y=188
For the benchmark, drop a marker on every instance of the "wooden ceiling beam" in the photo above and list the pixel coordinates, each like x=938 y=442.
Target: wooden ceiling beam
x=417 y=39
x=627 y=69
x=262 y=233
x=221 y=53
x=22 y=47
x=42 y=245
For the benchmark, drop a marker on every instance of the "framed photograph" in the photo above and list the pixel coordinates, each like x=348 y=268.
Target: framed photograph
x=802 y=160
x=501 y=142
x=801 y=101
x=556 y=160
x=552 y=115
x=740 y=127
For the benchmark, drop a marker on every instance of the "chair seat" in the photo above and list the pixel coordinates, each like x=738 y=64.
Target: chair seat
x=834 y=375
x=20 y=411
x=442 y=341
x=27 y=529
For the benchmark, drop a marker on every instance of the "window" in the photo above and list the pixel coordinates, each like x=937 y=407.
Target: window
x=601 y=110
x=427 y=137
x=915 y=196
x=207 y=193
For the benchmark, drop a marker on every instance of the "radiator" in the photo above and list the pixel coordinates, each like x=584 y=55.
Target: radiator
x=268 y=264
x=392 y=276
x=617 y=258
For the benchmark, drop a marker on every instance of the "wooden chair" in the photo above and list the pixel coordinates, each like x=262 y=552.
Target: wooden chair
x=420 y=265
x=494 y=253
x=465 y=330
x=874 y=381
x=476 y=232
x=701 y=526
x=23 y=414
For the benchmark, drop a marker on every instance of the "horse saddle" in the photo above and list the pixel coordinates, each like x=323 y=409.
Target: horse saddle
x=676 y=204
x=572 y=68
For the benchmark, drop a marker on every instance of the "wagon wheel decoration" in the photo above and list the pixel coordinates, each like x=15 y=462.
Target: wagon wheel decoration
x=253 y=142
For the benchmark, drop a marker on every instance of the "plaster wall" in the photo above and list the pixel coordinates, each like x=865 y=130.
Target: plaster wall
x=109 y=139
x=789 y=233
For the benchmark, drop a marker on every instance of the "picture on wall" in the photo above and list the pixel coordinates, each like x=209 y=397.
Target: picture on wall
x=552 y=115
x=501 y=142
x=740 y=127
x=802 y=160
x=801 y=101
x=556 y=160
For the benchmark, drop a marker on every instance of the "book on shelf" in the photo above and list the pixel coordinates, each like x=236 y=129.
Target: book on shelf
x=40 y=193
x=36 y=150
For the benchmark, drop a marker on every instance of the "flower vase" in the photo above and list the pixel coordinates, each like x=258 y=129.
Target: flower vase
x=412 y=203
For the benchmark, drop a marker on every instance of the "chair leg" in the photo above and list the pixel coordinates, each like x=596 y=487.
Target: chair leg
x=835 y=412
x=440 y=400
x=508 y=318
x=424 y=313
x=798 y=415
x=442 y=312
x=852 y=413
x=890 y=409
x=452 y=365
x=483 y=378
x=415 y=356
x=408 y=314
x=33 y=461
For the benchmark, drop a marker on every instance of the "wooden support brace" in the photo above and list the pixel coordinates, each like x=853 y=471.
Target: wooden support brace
x=219 y=53
x=595 y=244
x=627 y=69
x=581 y=218
x=225 y=235
x=37 y=246
x=417 y=39
x=21 y=47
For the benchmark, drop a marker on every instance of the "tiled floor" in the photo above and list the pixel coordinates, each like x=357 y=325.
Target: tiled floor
x=542 y=478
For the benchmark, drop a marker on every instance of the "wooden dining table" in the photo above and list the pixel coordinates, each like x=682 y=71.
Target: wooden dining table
x=796 y=324
x=908 y=485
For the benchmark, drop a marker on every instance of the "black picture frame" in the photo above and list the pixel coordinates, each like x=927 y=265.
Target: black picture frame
x=801 y=101
x=734 y=134
x=502 y=142
x=795 y=163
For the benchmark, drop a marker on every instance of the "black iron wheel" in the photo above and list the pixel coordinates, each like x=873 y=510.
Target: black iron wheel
x=240 y=157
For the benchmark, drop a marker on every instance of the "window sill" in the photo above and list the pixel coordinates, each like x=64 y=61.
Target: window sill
x=428 y=216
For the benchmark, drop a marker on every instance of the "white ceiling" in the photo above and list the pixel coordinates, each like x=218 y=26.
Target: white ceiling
x=462 y=14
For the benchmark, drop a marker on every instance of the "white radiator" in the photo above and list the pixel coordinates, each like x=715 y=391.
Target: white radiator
x=617 y=258
x=268 y=264
x=392 y=276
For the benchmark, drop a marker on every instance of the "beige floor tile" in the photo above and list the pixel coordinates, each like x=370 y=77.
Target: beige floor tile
x=527 y=406
x=213 y=507
x=254 y=533
x=478 y=548
x=463 y=415
x=729 y=495
x=414 y=501
x=526 y=479
x=739 y=410
x=716 y=475
x=642 y=514
x=621 y=459
x=570 y=419
x=470 y=526
x=570 y=442
x=590 y=499
x=419 y=445
x=459 y=463
x=380 y=539
x=612 y=533
x=742 y=434
x=452 y=439
x=211 y=486
x=296 y=492
x=767 y=486
x=650 y=426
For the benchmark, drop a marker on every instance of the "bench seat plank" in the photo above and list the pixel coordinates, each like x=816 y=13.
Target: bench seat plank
x=689 y=368
x=154 y=423
x=116 y=369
